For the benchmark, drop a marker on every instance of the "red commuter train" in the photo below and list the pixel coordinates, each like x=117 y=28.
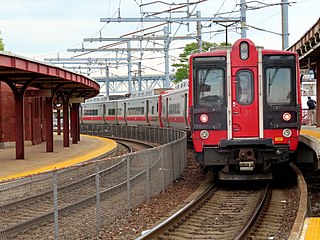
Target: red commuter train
x=158 y=107
x=245 y=109
x=242 y=106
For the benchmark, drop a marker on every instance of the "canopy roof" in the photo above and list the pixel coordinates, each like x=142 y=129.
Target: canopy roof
x=49 y=79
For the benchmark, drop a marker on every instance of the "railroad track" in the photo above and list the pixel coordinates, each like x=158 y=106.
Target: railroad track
x=227 y=213
x=31 y=212
x=133 y=145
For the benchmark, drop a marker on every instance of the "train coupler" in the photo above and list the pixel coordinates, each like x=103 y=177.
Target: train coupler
x=246 y=166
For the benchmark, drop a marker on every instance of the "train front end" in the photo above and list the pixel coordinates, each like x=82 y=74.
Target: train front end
x=245 y=109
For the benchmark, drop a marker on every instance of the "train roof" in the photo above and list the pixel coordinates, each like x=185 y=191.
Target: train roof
x=152 y=92
x=105 y=98
x=183 y=84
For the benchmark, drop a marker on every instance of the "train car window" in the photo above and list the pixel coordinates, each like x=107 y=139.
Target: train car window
x=210 y=85
x=135 y=111
x=174 y=108
x=171 y=108
x=111 y=111
x=278 y=85
x=244 y=92
x=90 y=112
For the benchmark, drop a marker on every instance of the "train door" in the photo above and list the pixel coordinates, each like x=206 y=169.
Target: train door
x=147 y=111
x=159 y=110
x=125 y=112
x=244 y=102
x=167 y=112
x=116 y=112
x=104 y=108
x=185 y=109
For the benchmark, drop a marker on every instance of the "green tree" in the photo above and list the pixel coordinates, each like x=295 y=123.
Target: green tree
x=182 y=68
x=1 y=43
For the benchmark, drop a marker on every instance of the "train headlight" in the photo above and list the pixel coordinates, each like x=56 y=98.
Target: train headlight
x=204 y=118
x=204 y=134
x=244 y=50
x=286 y=132
x=286 y=116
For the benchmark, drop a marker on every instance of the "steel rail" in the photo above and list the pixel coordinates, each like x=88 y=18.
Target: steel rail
x=157 y=230
x=247 y=227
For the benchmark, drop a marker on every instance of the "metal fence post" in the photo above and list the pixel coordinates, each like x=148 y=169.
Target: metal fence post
x=128 y=186
x=145 y=134
x=147 y=176
x=98 y=209
x=163 y=170
x=180 y=157
x=55 y=205
x=172 y=164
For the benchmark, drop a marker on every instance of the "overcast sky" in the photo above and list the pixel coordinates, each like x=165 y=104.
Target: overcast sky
x=43 y=28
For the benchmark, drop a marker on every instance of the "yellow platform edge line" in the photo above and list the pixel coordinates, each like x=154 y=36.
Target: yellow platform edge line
x=108 y=146
x=310 y=132
x=313 y=229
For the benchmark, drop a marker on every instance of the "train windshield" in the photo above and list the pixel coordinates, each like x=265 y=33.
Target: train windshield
x=210 y=85
x=278 y=81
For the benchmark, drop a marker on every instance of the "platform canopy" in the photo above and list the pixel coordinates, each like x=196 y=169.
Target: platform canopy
x=308 y=47
x=46 y=80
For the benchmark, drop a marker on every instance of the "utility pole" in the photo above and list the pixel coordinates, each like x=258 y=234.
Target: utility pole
x=199 y=37
x=129 y=67
x=243 y=9
x=285 y=32
x=107 y=82
x=139 y=76
x=166 y=57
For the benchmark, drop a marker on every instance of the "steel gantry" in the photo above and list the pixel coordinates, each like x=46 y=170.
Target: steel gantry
x=167 y=38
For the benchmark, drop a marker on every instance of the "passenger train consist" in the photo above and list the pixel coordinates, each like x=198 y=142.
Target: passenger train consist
x=242 y=106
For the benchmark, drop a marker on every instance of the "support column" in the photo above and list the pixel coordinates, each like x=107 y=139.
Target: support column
x=66 y=123
x=19 y=111
x=49 y=124
x=59 y=121
x=78 y=120
x=318 y=92
x=74 y=125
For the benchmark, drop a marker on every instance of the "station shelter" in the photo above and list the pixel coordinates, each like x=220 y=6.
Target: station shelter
x=308 y=49
x=29 y=91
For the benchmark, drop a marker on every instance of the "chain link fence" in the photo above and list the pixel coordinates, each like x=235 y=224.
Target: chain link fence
x=57 y=204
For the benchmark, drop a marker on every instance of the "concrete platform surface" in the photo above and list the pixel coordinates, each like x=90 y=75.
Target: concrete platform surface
x=38 y=160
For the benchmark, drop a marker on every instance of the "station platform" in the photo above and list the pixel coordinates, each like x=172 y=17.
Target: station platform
x=38 y=160
x=310 y=135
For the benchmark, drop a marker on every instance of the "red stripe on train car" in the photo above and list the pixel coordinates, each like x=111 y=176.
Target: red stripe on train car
x=180 y=119
x=136 y=118
x=95 y=118
x=153 y=119
x=110 y=118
